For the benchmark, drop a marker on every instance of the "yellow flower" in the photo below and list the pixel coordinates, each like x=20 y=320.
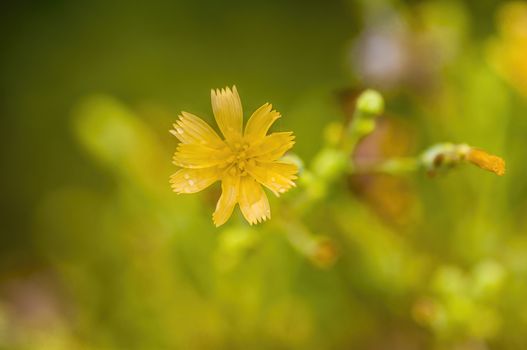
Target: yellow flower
x=243 y=161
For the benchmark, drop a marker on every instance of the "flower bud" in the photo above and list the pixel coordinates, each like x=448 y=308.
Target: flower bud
x=371 y=103
x=330 y=163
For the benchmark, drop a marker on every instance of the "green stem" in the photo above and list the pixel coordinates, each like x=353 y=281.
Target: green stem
x=392 y=166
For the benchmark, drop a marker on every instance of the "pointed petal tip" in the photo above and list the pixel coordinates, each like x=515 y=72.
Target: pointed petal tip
x=184 y=115
x=215 y=221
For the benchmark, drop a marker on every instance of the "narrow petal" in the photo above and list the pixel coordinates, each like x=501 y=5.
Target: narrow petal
x=229 y=196
x=260 y=122
x=193 y=180
x=196 y=156
x=253 y=201
x=227 y=109
x=278 y=177
x=272 y=147
x=192 y=129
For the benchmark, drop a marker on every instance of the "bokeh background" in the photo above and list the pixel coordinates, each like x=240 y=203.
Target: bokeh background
x=96 y=252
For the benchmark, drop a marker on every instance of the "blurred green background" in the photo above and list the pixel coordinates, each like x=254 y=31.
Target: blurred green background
x=96 y=252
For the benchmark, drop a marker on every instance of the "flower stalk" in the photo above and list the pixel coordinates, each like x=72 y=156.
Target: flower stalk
x=370 y=105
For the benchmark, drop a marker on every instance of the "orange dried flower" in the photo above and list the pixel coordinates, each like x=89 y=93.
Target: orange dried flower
x=486 y=161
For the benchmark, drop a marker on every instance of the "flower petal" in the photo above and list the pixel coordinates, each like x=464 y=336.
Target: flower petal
x=229 y=196
x=260 y=122
x=227 y=109
x=193 y=180
x=196 y=156
x=192 y=129
x=278 y=177
x=253 y=201
x=271 y=147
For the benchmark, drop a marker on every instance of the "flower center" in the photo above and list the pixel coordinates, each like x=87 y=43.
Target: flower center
x=237 y=162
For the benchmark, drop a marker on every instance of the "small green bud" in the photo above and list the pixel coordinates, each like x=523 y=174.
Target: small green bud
x=315 y=187
x=330 y=163
x=370 y=102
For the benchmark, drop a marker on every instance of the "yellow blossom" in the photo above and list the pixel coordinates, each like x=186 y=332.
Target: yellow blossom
x=243 y=161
